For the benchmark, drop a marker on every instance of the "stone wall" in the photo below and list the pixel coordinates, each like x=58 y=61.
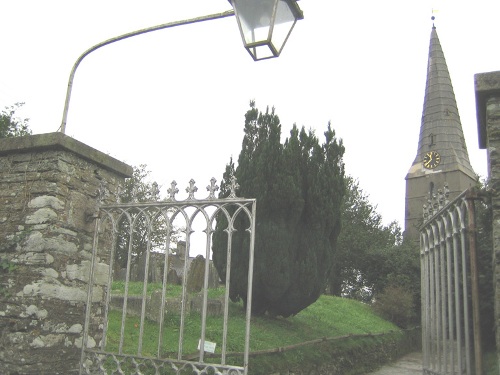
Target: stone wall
x=488 y=115
x=50 y=187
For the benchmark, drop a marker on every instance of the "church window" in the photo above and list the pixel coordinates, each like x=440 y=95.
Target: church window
x=432 y=139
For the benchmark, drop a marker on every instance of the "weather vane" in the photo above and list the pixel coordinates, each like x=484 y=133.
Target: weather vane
x=433 y=17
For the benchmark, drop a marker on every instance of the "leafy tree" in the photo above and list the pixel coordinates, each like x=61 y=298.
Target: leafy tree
x=397 y=266
x=139 y=189
x=362 y=237
x=397 y=305
x=395 y=276
x=371 y=258
x=402 y=266
x=362 y=232
x=12 y=126
x=299 y=187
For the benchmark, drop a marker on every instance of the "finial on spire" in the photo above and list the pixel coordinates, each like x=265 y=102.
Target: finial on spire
x=433 y=18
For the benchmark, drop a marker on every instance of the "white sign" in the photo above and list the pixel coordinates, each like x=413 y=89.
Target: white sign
x=209 y=347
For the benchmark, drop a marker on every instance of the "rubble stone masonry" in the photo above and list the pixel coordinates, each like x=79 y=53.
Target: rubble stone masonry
x=487 y=87
x=50 y=187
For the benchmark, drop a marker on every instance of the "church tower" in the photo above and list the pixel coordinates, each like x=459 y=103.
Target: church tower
x=442 y=157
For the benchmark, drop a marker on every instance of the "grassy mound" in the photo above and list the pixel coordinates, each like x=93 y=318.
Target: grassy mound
x=333 y=335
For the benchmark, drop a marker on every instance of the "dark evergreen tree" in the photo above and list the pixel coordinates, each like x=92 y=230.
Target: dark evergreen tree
x=299 y=187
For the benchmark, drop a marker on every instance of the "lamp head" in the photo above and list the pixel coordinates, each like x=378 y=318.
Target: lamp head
x=265 y=25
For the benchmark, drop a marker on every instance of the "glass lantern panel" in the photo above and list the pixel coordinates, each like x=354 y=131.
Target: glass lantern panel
x=254 y=17
x=285 y=21
x=284 y=13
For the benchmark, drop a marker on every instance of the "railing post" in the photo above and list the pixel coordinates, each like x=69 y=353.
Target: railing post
x=476 y=320
x=450 y=288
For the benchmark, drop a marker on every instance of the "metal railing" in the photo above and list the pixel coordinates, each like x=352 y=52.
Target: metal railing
x=118 y=227
x=451 y=339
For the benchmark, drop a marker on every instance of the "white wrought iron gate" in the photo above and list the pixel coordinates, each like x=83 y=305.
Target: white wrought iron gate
x=114 y=337
x=451 y=340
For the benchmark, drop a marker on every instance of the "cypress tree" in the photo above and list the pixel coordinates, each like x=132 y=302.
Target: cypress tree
x=299 y=187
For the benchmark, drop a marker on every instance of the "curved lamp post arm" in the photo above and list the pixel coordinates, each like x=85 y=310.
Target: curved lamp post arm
x=228 y=13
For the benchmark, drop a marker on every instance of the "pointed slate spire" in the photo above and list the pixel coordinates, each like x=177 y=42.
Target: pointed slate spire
x=441 y=129
x=441 y=138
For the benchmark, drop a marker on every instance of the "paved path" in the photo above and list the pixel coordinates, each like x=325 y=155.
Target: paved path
x=410 y=364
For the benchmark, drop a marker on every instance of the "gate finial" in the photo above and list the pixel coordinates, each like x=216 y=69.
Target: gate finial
x=212 y=188
x=446 y=193
x=233 y=186
x=191 y=189
x=436 y=202
x=172 y=191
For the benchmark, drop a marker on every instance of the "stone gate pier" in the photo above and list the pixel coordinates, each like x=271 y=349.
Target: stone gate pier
x=50 y=187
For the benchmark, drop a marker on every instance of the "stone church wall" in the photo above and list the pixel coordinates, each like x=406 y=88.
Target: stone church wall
x=50 y=186
x=488 y=114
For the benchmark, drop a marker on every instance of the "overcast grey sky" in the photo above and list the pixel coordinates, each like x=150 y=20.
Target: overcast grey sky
x=175 y=99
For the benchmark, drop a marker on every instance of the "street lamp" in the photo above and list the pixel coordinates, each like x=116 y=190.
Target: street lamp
x=264 y=26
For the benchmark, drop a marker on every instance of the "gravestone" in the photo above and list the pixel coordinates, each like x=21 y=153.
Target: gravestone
x=155 y=267
x=173 y=278
x=196 y=275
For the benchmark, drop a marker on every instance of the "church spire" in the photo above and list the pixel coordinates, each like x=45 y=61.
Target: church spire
x=442 y=158
x=441 y=129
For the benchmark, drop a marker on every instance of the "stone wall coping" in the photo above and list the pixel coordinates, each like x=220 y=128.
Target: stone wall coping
x=486 y=85
x=60 y=141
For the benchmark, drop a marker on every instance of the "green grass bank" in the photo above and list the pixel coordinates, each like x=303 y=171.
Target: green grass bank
x=332 y=336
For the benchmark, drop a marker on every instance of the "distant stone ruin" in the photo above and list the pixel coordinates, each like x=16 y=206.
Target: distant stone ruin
x=176 y=263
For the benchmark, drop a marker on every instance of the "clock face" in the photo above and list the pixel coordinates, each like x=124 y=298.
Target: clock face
x=432 y=159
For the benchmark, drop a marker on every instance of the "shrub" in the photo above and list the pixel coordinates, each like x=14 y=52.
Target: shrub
x=397 y=305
